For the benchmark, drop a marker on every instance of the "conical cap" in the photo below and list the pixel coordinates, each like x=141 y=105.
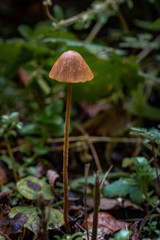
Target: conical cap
x=71 y=67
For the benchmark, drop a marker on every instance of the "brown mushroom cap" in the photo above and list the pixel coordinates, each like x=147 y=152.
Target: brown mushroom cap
x=71 y=67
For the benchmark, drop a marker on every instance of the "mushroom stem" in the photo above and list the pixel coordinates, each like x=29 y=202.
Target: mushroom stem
x=65 y=158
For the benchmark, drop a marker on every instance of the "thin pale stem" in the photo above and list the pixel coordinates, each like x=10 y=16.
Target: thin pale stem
x=65 y=158
x=12 y=158
x=95 y=30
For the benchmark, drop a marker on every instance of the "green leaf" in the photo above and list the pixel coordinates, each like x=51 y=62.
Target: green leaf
x=144 y=170
x=123 y=188
x=30 y=129
x=152 y=134
x=6 y=159
x=25 y=31
x=140 y=107
x=41 y=150
x=2 y=238
x=32 y=224
x=123 y=235
x=156 y=24
x=127 y=162
x=52 y=113
x=78 y=184
x=58 y=12
x=31 y=188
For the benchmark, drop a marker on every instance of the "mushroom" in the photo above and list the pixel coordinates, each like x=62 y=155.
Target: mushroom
x=71 y=68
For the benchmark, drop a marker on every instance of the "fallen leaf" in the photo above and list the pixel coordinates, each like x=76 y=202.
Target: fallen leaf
x=52 y=177
x=11 y=226
x=107 y=224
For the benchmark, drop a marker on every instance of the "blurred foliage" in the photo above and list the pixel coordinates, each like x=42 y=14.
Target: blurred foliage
x=150 y=135
x=9 y=124
x=26 y=60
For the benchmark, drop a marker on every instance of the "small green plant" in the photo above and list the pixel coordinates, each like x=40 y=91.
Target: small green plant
x=152 y=225
x=151 y=135
x=9 y=124
x=122 y=235
x=137 y=187
x=76 y=236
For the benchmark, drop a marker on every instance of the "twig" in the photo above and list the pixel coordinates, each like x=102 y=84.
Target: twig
x=105 y=176
x=49 y=15
x=95 y=155
x=95 y=139
x=123 y=21
x=5 y=236
x=77 y=141
x=95 y=30
x=145 y=219
x=93 y=10
x=150 y=148
x=147 y=50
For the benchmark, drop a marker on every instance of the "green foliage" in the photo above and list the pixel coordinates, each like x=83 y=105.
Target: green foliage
x=122 y=235
x=75 y=236
x=152 y=225
x=141 y=41
x=58 y=12
x=135 y=188
x=78 y=183
x=2 y=238
x=123 y=188
x=10 y=123
x=152 y=134
x=145 y=172
x=39 y=44
x=139 y=106
x=31 y=188
x=55 y=217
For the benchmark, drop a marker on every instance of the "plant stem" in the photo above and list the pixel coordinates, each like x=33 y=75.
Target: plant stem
x=65 y=158
x=87 y=166
x=96 y=207
x=155 y=163
x=148 y=198
x=12 y=158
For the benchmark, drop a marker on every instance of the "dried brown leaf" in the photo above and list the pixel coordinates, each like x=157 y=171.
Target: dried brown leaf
x=107 y=224
x=11 y=226
x=52 y=177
